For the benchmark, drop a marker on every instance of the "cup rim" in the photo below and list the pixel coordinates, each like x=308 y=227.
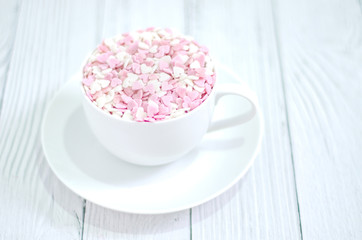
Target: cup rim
x=192 y=112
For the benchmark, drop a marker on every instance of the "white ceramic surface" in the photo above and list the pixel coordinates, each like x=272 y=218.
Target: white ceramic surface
x=87 y=168
x=164 y=141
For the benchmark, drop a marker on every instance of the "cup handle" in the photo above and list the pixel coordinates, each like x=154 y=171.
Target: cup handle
x=239 y=90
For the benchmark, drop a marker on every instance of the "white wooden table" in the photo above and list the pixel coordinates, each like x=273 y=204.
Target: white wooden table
x=303 y=58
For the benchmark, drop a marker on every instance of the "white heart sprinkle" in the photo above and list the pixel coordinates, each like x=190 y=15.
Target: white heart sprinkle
x=166 y=59
x=127 y=60
x=132 y=77
x=174 y=42
x=193 y=48
x=193 y=77
x=95 y=87
x=106 y=71
x=161 y=93
x=143 y=45
x=184 y=58
x=195 y=64
x=140 y=114
x=118 y=89
x=101 y=100
x=177 y=71
x=127 y=115
x=121 y=56
x=209 y=71
x=185 y=47
x=145 y=68
x=199 y=89
x=189 y=82
x=153 y=49
x=164 y=77
x=103 y=83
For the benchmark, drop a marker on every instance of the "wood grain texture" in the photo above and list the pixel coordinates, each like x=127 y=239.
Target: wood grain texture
x=303 y=58
x=263 y=204
x=321 y=52
x=9 y=12
x=117 y=17
x=33 y=203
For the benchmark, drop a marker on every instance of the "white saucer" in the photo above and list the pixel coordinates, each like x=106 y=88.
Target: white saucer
x=84 y=166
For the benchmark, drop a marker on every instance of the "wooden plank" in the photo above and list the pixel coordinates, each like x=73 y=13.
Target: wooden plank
x=321 y=49
x=9 y=12
x=263 y=205
x=101 y=223
x=34 y=204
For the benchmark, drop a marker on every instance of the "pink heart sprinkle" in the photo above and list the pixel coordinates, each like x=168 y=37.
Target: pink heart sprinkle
x=187 y=99
x=195 y=104
x=209 y=79
x=159 y=54
x=128 y=91
x=166 y=86
x=89 y=95
x=178 y=46
x=123 y=74
x=117 y=99
x=159 y=117
x=132 y=104
x=201 y=59
x=163 y=64
x=144 y=104
x=179 y=102
x=149 y=119
x=133 y=48
x=139 y=57
x=204 y=49
x=103 y=57
x=181 y=91
x=88 y=81
x=113 y=62
x=144 y=78
x=137 y=85
x=153 y=76
x=177 y=61
x=136 y=68
x=193 y=95
x=109 y=76
x=115 y=82
x=165 y=48
x=121 y=106
x=138 y=94
x=207 y=88
x=200 y=83
x=154 y=98
x=139 y=102
x=126 y=98
x=166 y=100
x=103 y=48
x=152 y=109
x=163 y=110
x=128 y=39
x=201 y=72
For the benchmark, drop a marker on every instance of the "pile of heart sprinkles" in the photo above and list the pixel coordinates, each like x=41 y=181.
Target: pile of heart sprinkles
x=149 y=75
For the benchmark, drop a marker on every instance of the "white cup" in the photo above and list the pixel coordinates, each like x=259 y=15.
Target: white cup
x=161 y=142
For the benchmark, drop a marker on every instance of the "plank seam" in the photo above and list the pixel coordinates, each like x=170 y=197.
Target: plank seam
x=83 y=217
x=281 y=70
x=190 y=223
x=99 y=30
